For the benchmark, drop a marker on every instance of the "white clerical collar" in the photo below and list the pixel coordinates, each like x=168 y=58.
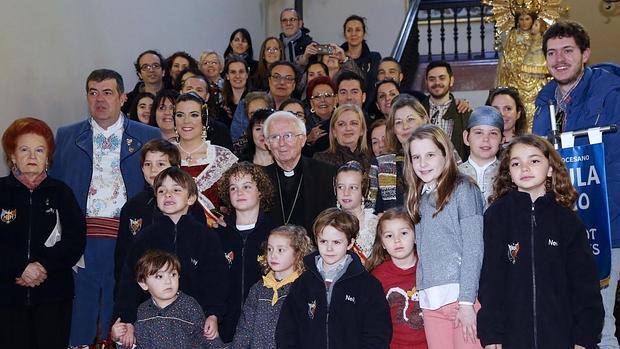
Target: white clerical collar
x=290 y=173
x=112 y=129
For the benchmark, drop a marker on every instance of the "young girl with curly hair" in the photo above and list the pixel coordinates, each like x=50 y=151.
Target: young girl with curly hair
x=283 y=262
x=539 y=286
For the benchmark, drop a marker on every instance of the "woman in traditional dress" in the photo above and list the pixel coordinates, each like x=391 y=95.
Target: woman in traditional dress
x=206 y=162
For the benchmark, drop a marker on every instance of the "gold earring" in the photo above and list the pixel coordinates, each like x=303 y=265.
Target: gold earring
x=176 y=135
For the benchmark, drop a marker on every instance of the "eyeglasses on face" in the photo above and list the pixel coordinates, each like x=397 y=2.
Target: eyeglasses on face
x=324 y=95
x=154 y=66
x=289 y=20
x=288 y=137
x=286 y=79
x=273 y=49
x=298 y=114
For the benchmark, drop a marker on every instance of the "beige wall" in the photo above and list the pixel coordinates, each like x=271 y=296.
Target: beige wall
x=49 y=47
x=603 y=26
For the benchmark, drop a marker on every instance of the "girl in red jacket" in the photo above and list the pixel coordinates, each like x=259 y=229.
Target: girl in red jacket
x=393 y=263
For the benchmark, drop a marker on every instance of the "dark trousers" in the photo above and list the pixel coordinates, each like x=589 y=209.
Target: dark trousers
x=36 y=326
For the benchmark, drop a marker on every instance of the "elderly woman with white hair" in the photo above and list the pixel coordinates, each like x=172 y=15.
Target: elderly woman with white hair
x=302 y=185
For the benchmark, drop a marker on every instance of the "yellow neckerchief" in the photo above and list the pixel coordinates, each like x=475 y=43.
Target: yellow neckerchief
x=270 y=281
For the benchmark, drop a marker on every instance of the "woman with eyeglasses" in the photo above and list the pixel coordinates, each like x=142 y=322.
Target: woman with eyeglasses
x=240 y=44
x=212 y=65
x=295 y=106
x=508 y=102
x=271 y=51
x=321 y=93
x=347 y=138
x=387 y=183
x=204 y=161
x=162 y=113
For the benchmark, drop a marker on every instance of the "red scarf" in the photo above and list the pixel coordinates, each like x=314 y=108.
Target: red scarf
x=30 y=184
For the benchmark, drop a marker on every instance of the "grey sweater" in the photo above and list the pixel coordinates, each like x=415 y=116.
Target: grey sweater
x=179 y=325
x=450 y=245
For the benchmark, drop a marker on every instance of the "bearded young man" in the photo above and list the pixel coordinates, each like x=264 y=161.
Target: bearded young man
x=586 y=97
x=442 y=106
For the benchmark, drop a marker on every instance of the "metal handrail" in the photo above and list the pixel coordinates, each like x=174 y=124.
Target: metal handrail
x=405 y=29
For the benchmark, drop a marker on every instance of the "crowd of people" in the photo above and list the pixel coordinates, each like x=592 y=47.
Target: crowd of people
x=234 y=202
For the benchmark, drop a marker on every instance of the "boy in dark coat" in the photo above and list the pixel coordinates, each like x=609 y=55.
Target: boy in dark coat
x=140 y=211
x=205 y=275
x=335 y=303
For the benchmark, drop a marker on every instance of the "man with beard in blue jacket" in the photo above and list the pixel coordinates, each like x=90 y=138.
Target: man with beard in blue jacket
x=585 y=97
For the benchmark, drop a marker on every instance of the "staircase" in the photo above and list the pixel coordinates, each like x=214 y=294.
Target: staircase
x=454 y=31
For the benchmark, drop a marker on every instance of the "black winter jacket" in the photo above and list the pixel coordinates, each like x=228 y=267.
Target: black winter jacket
x=137 y=214
x=244 y=268
x=358 y=315
x=368 y=62
x=299 y=45
x=539 y=286
x=203 y=274
x=26 y=221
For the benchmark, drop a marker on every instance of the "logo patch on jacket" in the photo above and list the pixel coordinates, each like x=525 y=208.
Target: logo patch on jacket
x=230 y=256
x=7 y=216
x=513 y=250
x=135 y=225
x=312 y=309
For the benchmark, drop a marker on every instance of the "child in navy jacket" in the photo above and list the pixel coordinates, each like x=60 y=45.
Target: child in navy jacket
x=247 y=190
x=335 y=303
x=205 y=275
x=140 y=211
x=539 y=286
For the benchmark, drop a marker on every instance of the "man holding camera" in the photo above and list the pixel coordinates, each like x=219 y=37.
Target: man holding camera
x=294 y=36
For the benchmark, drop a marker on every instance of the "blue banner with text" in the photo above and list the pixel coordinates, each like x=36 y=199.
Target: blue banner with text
x=586 y=165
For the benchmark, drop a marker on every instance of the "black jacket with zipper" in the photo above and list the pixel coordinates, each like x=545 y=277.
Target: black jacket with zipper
x=358 y=315
x=138 y=213
x=245 y=271
x=26 y=221
x=539 y=285
x=203 y=274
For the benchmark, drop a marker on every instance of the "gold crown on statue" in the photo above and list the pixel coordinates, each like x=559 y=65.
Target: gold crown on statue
x=504 y=12
x=525 y=6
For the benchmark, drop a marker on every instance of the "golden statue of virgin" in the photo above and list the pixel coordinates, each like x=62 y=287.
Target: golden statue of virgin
x=519 y=26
